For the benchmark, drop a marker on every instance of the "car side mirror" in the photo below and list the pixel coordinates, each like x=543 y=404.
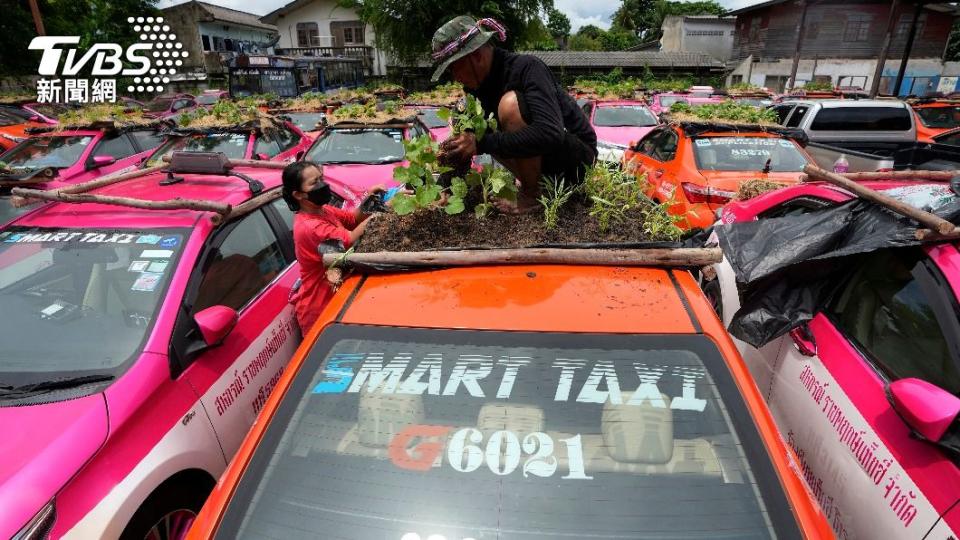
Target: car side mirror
x=261 y=156
x=34 y=118
x=103 y=161
x=216 y=323
x=928 y=409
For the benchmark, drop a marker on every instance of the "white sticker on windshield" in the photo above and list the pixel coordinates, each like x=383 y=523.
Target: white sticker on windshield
x=158 y=266
x=703 y=142
x=51 y=310
x=138 y=266
x=785 y=143
x=156 y=254
x=147 y=282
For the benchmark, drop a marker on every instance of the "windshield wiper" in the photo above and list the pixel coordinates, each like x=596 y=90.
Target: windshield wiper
x=53 y=385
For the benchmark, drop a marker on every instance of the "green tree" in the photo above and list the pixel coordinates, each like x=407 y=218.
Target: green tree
x=617 y=39
x=583 y=42
x=95 y=21
x=558 y=23
x=645 y=17
x=405 y=28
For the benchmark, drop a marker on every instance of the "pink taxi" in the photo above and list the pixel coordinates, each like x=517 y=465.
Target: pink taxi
x=661 y=102
x=357 y=157
x=139 y=346
x=439 y=128
x=73 y=156
x=169 y=106
x=866 y=392
x=287 y=143
x=619 y=124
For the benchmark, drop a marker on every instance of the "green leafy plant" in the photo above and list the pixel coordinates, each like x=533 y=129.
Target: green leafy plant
x=659 y=224
x=420 y=176
x=617 y=195
x=744 y=87
x=818 y=86
x=469 y=118
x=391 y=107
x=728 y=111
x=492 y=182
x=554 y=193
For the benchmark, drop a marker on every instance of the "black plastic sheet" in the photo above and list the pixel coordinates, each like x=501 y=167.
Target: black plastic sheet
x=788 y=268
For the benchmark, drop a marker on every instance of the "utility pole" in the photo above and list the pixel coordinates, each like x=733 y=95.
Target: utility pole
x=796 y=52
x=37 y=20
x=884 y=50
x=908 y=48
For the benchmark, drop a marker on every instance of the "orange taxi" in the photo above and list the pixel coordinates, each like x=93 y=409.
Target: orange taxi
x=935 y=116
x=697 y=167
x=13 y=128
x=514 y=402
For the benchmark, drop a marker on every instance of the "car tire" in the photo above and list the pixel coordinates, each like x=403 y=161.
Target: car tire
x=168 y=512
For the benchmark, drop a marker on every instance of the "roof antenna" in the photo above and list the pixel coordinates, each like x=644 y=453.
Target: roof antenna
x=766 y=166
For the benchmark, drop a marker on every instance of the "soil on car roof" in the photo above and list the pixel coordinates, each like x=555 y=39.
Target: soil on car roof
x=434 y=229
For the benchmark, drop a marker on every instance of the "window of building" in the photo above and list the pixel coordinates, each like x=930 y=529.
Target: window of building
x=903 y=25
x=855 y=81
x=206 y=41
x=812 y=29
x=228 y=45
x=308 y=34
x=346 y=33
x=700 y=33
x=218 y=44
x=754 y=28
x=776 y=83
x=857 y=27
x=736 y=79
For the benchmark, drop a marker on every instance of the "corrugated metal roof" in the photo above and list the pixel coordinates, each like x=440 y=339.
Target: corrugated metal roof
x=234 y=16
x=284 y=9
x=625 y=59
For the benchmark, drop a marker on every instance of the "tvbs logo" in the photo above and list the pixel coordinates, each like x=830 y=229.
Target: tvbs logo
x=151 y=61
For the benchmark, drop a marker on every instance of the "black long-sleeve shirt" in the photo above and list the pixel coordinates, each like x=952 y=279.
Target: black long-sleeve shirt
x=547 y=109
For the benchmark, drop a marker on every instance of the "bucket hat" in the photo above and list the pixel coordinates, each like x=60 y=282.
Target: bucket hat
x=461 y=36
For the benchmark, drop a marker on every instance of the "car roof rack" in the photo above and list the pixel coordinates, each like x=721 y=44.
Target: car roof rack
x=937 y=228
x=80 y=193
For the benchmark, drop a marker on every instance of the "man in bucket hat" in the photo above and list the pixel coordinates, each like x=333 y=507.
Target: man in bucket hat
x=542 y=131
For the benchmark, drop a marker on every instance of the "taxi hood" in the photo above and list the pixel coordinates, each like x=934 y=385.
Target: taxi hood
x=43 y=447
x=355 y=179
x=621 y=135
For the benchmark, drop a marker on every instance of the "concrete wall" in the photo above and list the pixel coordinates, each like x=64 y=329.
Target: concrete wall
x=323 y=12
x=707 y=36
x=923 y=75
x=182 y=20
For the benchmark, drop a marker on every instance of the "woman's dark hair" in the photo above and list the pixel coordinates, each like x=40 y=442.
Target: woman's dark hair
x=293 y=181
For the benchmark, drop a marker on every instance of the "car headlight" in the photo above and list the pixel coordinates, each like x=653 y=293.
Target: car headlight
x=40 y=525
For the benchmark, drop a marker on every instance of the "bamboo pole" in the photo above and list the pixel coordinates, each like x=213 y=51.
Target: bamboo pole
x=926 y=219
x=172 y=204
x=20 y=201
x=926 y=235
x=25 y=182
x=942 y=176
x=681 y=257
x=248 y=206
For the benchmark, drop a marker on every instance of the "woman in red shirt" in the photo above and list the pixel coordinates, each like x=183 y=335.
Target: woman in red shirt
x=316 y=222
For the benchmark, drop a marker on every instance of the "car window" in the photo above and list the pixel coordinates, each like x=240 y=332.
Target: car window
x=783 y=111
x=147 y=139
x=430 y=119
x=939 y=117
x=79 y=301
x=667 y=101
x=624 y=115
x=269 y=147
x=862 y=119
x=796 y=207
x=797 y=116
x=307 y=121
x=244 y=264
x=182 y=104
x=286 y=214
x=888 y=309
x=115 y=145
x=952 y=139
x=363 y=145
x=287 y=138
x=665 y=147
x=233 y=145
x=48 y=151
x=510 y=435
x=647 y=144
x=747 y=154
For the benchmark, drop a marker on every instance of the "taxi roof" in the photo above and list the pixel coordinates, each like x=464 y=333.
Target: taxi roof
x=545 y=298
x=225 y=189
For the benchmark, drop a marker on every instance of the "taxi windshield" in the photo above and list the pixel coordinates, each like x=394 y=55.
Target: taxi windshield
x=79 y=300
x=624 y=116
x=748 y=154
x=233 y=145
x=306 y=121
x=158 y=104
x=667 y=101
x=940 y=117
x=391 y=433
x=48 y=151
x=358 y=146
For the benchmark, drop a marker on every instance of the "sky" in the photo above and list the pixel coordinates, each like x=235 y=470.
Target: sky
x=580 y=12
